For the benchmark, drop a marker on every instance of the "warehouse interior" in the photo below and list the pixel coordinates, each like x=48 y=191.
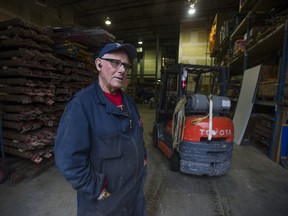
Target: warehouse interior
x=47 y=52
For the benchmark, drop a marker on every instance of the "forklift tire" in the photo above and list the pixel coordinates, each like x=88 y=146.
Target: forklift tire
x=4 y=174
x=175 y=162
x=155 y=138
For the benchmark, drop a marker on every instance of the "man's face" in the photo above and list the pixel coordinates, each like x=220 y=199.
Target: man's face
x=112 y=77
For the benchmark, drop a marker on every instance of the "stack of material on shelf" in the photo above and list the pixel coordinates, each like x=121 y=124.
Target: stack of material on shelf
x=94 y=38
x=276 y=22
x=28 y=82
x=76 y=76
x=268 y=90
x=78 y=59
x=239 y=47
x=263 y=130
x=268 y=83
x=74 y=50
x=40 y=69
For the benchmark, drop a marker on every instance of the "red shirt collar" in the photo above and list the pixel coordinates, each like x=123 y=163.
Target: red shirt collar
x=115 y=98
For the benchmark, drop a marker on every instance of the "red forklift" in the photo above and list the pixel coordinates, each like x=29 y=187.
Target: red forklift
x=192 y=126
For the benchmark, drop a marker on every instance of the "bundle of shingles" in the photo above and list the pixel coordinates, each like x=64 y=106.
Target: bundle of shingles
x=77 y=49
x=40 y=69
x=28 y=83
x=76 y=75
x=91 y=38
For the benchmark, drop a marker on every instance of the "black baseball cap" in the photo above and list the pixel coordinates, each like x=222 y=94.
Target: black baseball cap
x=126 y=47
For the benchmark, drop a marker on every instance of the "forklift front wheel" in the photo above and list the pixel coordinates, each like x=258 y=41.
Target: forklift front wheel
x=156 y=137
x=175 y=161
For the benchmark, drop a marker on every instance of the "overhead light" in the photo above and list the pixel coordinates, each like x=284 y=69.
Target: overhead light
x=192 y=9
x=140 y=42
x=107 y=21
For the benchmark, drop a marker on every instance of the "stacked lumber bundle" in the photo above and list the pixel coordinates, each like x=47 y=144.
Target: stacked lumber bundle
x=91 y=38
x=77 y=49
x=76 y=76
x=28 y=82
x=40 y=70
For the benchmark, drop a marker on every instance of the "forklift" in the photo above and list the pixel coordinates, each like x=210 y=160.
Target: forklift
x=192 y=127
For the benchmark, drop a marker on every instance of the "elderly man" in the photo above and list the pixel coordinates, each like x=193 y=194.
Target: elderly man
x=99 y=147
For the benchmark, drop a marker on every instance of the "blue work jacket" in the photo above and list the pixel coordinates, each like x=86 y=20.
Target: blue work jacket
x=96 y=141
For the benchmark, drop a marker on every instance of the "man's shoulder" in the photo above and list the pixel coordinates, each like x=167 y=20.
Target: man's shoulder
x=86 y=94
x=87 y=91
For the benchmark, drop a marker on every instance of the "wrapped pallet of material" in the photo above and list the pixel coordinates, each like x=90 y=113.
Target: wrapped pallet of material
x=77 y=48
x=28 y=78
x=40 y=70
x=28 y=81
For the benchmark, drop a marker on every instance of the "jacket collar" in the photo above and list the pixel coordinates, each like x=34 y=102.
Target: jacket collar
x=103 y=100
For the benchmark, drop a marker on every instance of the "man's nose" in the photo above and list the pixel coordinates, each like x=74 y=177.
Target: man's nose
x=122 y=68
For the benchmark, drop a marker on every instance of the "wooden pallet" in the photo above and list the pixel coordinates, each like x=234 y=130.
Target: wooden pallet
x=24 y=169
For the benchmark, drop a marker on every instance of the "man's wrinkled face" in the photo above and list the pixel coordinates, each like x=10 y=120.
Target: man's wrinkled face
x=113 y=69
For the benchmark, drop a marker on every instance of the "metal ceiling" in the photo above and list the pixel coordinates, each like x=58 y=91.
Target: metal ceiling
x=153 y=21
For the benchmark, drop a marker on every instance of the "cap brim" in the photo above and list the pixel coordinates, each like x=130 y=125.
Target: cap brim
x=112 y=47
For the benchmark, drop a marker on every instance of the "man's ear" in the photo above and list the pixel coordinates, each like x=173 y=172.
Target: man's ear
x=98 y=64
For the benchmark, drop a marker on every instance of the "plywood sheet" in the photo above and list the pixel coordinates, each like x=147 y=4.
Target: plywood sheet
x=245 y=102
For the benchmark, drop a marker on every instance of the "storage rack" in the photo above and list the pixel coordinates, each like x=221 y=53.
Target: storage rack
x=256 y=50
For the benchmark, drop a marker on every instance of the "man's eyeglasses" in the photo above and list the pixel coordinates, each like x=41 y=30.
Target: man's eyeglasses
x=117 y=64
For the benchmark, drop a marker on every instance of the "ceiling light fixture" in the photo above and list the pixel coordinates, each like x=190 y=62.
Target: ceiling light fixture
x=107 y=21
x=140 y=42
x=192 y=6
x=192 y=9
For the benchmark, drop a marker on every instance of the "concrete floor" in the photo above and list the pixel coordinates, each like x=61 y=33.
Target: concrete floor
x=254 y=186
